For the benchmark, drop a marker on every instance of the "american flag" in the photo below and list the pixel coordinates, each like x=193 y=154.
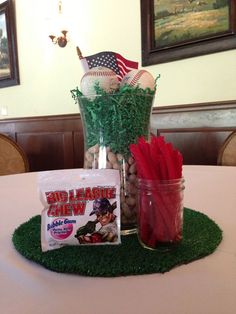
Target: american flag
x=111 y=60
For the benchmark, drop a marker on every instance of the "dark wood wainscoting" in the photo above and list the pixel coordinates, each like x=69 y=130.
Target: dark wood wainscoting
x=56 y=142
x=198 y=130
x=52 y=142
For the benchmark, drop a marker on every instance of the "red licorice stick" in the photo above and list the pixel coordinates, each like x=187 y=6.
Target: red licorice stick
x=143 y=162
x=143 y=223
x=158 y=161
x=154 y=227
x=139 y=160
x=168 y=171
x=146 y=230
x=171 y=199
x=168 y=217
x=141 y=155
x=154 y=221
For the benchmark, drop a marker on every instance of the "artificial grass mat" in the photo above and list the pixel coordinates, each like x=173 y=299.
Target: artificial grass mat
x=201 y=236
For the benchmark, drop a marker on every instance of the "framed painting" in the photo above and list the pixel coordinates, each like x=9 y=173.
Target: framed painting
x=9 y=72
x=178 y=29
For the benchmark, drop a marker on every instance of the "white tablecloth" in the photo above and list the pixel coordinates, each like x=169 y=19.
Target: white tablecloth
x=204 y=286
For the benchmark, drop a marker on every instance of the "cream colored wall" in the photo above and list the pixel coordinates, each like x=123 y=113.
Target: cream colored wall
x=48 y=73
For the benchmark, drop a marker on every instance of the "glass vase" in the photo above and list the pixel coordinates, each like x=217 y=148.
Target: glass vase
x=110 y=124
x=160 y=213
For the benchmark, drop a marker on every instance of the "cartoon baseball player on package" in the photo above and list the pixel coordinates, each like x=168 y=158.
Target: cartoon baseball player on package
x=105 y=219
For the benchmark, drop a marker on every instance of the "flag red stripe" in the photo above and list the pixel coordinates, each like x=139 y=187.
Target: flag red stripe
x=125 y=65
x=128 y=63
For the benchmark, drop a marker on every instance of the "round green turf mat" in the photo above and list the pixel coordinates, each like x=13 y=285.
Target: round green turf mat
x=201 y=236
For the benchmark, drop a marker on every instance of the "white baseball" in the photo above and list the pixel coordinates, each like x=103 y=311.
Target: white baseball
x=104 y=77
x=140 y=78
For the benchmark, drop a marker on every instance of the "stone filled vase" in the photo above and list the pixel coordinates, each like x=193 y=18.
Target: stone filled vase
x=110 y=124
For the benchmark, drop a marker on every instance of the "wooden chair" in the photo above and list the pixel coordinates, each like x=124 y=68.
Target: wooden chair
x=227 y=153
x=12 y=157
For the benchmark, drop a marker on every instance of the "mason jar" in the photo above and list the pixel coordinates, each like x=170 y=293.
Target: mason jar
x=112 y=122
x=160 y=213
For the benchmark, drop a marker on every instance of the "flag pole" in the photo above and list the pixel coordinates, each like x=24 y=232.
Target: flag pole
x=79 y=53
x=82 y=59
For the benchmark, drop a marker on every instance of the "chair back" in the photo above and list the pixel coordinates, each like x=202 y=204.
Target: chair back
x=12 y=157
x=227 y=153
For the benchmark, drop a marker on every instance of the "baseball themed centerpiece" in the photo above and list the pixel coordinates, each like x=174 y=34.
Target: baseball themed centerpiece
x=132 y=182
x=115 y=100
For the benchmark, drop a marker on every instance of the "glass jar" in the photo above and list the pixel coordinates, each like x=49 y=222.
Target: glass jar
x=160 y=213
x=110 y=124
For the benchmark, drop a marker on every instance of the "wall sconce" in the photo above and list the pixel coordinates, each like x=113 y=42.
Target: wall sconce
x=61 y=40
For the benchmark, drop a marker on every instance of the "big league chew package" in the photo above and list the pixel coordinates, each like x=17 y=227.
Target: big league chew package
x=81 y=207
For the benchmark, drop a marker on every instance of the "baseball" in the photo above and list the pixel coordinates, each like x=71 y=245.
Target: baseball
x=140 y=78
x=101 y=76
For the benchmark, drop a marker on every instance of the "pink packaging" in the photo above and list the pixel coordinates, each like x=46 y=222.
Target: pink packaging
x=81 y=207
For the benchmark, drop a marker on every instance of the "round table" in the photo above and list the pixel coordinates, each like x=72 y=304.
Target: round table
x=207 y=285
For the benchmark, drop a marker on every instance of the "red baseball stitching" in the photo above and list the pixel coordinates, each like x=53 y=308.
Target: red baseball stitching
x=136 y=77
x=102 y=73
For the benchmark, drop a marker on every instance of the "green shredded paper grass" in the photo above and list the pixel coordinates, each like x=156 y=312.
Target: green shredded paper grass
x=201 y=236
x=115 y=120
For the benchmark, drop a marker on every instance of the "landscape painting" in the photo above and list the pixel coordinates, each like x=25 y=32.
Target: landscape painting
x=4 y=52
x=178 y=21
x=178 y=29
x=9 y=71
